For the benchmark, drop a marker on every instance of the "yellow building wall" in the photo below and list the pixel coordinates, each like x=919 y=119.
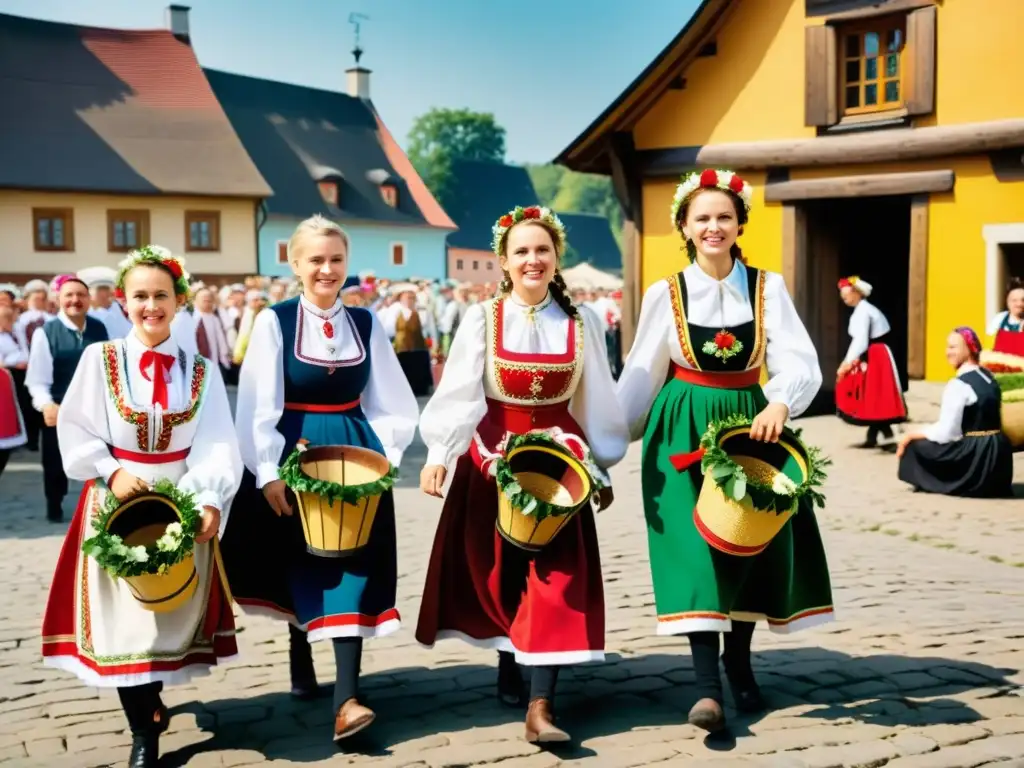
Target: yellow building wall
x=166 y=228
x=752 y=90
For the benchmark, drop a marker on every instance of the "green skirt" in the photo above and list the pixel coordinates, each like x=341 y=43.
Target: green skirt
x=696 y=587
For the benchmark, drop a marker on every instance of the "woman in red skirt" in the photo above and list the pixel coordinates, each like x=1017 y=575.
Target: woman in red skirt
x=869 y=383
x=1008 y=326
x=524 y=361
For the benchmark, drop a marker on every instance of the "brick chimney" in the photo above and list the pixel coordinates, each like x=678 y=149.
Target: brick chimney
x=358 y=78
x=177 y=22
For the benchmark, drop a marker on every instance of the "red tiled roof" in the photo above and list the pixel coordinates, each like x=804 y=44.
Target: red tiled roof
x=104 y=110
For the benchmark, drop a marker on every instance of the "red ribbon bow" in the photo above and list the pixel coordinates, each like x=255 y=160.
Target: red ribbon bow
x=161 y=365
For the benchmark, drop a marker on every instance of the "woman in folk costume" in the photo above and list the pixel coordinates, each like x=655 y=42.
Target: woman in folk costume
x=964 y=453
x=139 y=410
x=12 y=358
x=413 y=330
x=255 y=302
x=869 y=383
x=1008 y=326
x=526 y=360
x=702 y=338
x=323 y=372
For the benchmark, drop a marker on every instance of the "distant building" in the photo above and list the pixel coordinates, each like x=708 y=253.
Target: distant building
x=330 y=153
x=111 y=139
x=483 y=191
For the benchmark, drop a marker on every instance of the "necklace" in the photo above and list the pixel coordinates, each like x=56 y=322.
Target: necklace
x=327 y=327
x=531 y=310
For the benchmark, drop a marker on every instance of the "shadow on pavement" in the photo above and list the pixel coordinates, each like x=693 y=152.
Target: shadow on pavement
x=419 y=710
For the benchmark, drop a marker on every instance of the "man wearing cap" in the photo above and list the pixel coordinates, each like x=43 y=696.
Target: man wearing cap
x=104 y=308
x=52 y=361
x=37 y=297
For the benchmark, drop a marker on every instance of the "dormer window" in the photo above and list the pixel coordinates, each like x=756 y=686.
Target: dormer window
x=389 y=192
x=329 y=191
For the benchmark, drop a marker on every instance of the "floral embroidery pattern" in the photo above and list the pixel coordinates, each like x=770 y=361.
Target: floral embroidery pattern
x=724 y=346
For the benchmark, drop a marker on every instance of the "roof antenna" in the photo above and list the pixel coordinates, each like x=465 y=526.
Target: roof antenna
x=354 y=19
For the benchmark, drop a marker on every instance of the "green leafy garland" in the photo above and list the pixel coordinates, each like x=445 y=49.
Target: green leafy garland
x=1010 y=382
x=155 y=255
x=300 y=482
x=733 y=481
x=524 y=501
x=120 y=560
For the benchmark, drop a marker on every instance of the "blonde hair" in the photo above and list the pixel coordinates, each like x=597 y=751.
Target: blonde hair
x=315 y=226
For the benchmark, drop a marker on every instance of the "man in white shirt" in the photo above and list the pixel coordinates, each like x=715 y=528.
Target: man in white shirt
x=101 y=282
x=211 y=340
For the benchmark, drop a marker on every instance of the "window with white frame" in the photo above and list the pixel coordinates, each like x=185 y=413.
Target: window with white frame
x=1004 y=259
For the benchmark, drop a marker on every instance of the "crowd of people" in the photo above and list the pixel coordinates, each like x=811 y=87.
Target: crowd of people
x=129 y=381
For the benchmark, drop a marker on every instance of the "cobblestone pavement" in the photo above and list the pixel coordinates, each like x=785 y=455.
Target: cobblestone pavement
x=922 y=669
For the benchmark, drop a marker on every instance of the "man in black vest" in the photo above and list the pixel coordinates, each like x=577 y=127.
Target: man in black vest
x=54 y=356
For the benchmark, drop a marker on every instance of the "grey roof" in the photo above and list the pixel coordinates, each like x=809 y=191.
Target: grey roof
x=298 y=136
x=590 y=236
x=480 y=193
x=119 y=111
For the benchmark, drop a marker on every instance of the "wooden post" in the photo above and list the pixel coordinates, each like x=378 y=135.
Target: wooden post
x=794 y=257
x=917 y=290
x=629 y=191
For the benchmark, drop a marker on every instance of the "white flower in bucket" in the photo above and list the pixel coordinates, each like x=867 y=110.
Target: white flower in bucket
x=782 y=485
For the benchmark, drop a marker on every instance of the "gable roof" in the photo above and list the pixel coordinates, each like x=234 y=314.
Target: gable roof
x=480 y=193
x=298 y=136
x=590 y=236
x=117 y=111
x=588 y=152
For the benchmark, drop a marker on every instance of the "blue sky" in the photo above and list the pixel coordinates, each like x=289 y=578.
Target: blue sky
x=545 y=69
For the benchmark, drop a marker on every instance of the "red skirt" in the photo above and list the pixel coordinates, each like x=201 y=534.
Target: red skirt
x=12 y=430
x=871 y=394
x=67 y=625
x=546 y=608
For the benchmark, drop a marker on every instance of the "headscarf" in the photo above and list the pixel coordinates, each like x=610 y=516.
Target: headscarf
x=970 y=338
x=863 y=287
x=61 y=280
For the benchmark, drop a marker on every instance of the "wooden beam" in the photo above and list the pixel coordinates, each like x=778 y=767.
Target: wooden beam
x=628 y=187
x=870 y=185
x=917 y=290
x=874 y=147
x=845 y=10
x=794 y=257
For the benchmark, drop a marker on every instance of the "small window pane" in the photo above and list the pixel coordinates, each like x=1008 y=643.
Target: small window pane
x=131 y=234
x=892 y=90
x=870 y=95
x=458 y=263
x=892 y=65
x=895 y=39
x=853 y=46
x=852 y=97
x=476 y=265
x=43 y=226
x=871 y=44
x=119 y=241
x=58 y=232
x=853 y=71
x=871 y=69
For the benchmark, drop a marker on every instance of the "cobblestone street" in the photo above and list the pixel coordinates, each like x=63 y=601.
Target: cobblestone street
x=922 y=669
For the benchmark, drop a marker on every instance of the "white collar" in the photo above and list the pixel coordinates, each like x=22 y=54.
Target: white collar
x=522 y=306
x=313 y=309
x=735 y=282
x=68 y=323
x=967 y=368
x=137 y=348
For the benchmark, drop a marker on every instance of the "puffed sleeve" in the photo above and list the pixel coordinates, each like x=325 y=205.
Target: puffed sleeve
x=450 y=419
x=793 y=370
x=388 y=400
x=82 y=429
x=261 y=400
x=646 y=367
x=214 y=465
x=860 y=333
x=995 y=322
x=955 y=398
x=594 y=405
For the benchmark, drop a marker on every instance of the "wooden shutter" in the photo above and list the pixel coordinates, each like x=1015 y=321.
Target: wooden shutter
x=820 y=81
x=921 y=25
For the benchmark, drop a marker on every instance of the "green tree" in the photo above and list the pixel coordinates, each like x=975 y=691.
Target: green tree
x=443 y=135
x=565 y=190
x=547 y=179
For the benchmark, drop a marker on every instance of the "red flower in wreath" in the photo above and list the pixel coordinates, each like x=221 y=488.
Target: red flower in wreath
x=119 y=294
x=173 y=267
x=505 y=221
x=736 y=184
x=709 y=178
x=533 y=212
x=724 y=340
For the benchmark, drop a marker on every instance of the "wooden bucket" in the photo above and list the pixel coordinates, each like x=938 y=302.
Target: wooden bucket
x=339 y=529
x=140 y=521
x=737 y=527
x=1013 y=417
x=549 y=474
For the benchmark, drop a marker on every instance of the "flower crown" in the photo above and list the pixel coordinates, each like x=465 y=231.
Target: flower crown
x=534 y=212
x=153 y=254
x=727 y=181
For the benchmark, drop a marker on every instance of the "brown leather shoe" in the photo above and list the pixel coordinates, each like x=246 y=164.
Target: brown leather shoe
x=540 y=724
x=708 y=715
x=351 y=719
